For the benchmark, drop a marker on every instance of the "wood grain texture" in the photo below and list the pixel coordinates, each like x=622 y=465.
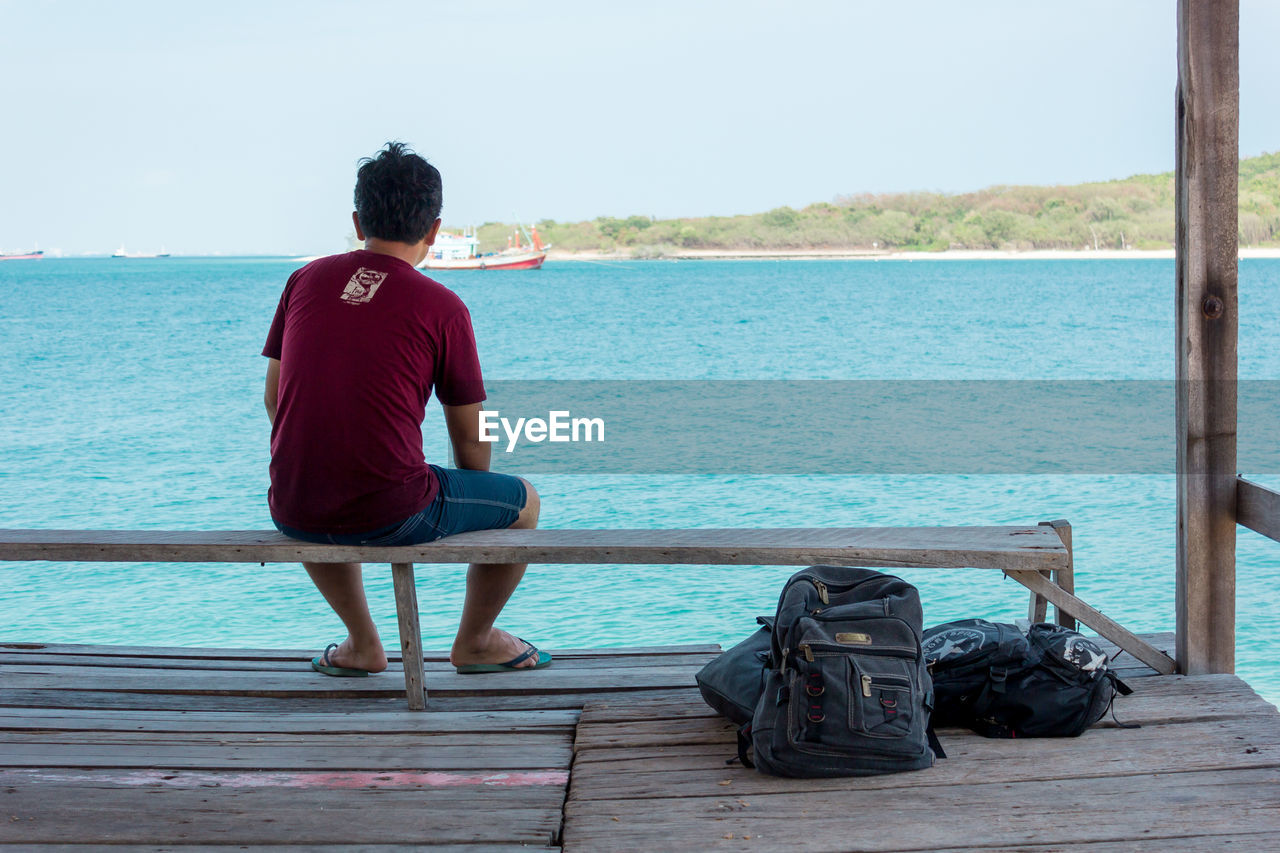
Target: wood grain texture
x=390 y=757
x=112 y=738
x=1245 y=842
x=882 y=547
x=1202 y=772
x=357 y=722
x=865 y=818
x=285 y=847
x=252 y=816
x=1258 y=508
x=1206 y=213
x=688 y=766
x=513 y=700
x=1038 y=609
x=406 y=592
x=88 y=768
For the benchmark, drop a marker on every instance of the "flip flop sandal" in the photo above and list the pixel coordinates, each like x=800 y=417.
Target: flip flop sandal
x=321 y=665
x=513 y=665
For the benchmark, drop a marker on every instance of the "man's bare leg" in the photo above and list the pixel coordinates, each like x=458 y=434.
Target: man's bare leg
x=342 y=585
x=489 y=585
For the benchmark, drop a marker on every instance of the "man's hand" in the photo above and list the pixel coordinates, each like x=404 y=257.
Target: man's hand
x=272 y=395
x=464 y=433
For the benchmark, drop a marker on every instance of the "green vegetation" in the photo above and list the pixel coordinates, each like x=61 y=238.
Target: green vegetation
x=1135 y=212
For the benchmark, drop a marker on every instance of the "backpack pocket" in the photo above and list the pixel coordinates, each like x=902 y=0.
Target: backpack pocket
x=852 y=702
x=882 y=699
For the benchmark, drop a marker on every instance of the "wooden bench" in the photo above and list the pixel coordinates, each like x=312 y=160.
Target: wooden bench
x=1037 y=557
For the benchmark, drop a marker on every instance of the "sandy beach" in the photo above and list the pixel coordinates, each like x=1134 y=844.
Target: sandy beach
x=865 y=255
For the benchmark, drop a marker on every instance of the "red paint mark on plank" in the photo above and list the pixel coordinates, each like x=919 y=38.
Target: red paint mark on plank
x=309 y=779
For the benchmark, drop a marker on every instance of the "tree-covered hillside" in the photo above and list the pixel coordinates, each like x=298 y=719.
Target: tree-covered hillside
x=1135 y=212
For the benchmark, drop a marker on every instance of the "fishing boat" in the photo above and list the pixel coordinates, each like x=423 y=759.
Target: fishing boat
x=21 y=256
x=461 y=252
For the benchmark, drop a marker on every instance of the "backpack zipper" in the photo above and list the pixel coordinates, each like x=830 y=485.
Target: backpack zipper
x=824 y=591
x=840 y=651
x=811 y=649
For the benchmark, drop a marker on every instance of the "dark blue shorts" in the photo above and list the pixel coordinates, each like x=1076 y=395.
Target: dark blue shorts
x=467 y=500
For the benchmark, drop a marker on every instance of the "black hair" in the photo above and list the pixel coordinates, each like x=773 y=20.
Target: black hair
x=398 y=195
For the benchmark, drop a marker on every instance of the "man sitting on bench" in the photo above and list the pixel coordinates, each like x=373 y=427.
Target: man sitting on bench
x=358 y=343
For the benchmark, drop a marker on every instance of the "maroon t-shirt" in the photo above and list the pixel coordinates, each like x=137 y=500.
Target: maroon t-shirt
x=362 y=338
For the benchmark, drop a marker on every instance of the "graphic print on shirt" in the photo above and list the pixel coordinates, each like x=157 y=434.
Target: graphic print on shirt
x=363 y=285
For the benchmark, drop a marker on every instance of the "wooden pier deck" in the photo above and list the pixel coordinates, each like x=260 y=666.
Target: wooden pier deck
x=608 y=750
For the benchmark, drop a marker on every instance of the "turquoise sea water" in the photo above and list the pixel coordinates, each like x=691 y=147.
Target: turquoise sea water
x=131 y=397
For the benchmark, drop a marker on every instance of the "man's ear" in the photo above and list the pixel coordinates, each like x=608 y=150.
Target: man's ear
x=355 y=219
x=435 y=229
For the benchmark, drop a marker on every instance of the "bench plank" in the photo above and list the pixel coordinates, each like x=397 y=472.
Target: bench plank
x=1018 y=551
x=1007 y=548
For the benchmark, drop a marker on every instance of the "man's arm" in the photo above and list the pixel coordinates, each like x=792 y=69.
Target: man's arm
x=464 y=433
x=272 y=394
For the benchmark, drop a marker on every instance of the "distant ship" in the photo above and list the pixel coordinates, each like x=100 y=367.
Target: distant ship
x=461 y=252
x=21 y=256
x=121 y=253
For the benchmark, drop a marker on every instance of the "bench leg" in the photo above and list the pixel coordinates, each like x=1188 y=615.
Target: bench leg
x=1064 y=578
x=1038 y=609
x=410 y=634
x=1066 y=581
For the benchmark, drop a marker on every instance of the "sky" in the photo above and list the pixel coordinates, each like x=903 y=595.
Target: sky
x=236 y=127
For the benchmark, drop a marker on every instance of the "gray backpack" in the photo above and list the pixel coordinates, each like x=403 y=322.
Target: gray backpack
x=846 y=691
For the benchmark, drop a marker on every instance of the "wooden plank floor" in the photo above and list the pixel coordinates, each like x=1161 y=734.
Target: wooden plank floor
x=215 y=749
x=1202 y=772
x=148 y=748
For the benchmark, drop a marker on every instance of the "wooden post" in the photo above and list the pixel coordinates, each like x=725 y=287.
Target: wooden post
x=410 y=634
x=1206 y=190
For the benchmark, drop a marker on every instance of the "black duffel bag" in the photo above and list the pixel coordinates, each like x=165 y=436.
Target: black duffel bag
x=733 y=681
x=994 y=679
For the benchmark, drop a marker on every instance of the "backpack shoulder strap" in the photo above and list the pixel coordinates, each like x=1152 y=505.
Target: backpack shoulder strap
x=744 y=746
x=934 y=743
